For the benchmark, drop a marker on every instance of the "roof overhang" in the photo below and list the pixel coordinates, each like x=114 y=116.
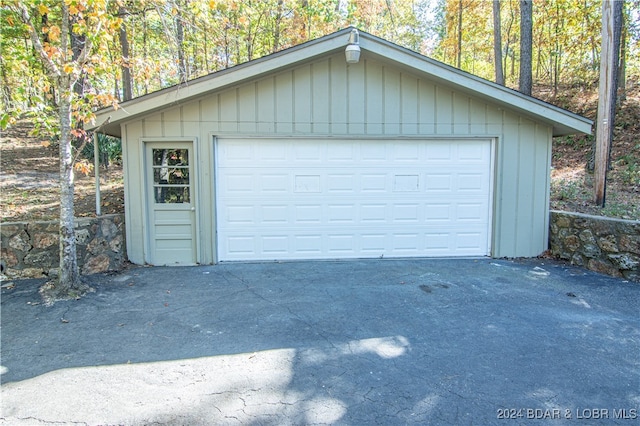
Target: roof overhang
x=562 y=121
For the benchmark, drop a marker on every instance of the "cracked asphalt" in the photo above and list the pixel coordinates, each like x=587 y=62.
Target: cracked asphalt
x=376 y=342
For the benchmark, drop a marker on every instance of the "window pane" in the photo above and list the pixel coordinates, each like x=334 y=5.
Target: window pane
x=170 y=157
x=172 y=194
x=171 y=175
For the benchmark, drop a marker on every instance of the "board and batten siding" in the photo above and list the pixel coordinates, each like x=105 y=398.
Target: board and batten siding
x=371 y=99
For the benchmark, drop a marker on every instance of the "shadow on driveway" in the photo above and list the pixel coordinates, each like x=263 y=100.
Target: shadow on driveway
x=354 y=342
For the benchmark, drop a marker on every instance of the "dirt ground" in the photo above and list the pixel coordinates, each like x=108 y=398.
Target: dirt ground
x=29 y=173
x=571 y=182
x=29 y=169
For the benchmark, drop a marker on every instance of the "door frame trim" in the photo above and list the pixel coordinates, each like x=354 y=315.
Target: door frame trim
x=146 y=226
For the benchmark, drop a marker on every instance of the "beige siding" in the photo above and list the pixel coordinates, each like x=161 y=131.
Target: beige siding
x=410 y=105
x=134 y=220
x=320 y=106
x=369 y=99
x=426 y=107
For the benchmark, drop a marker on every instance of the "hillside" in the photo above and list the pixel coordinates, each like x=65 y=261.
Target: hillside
x=29 y=168
x=572 y=183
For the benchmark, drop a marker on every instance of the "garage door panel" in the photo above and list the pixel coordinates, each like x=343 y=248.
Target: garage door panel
x=307 y=183
x=437 y=242
x=341 y=244
x=272 y=153
x=373 y=182
x=274 y=214
x=438 y=182
x=239 y=246
x=439 y=152
x=406 y=152
x=468 y=240
x=470 y=182
x=311 y=199
x=341 y=153
x=238 y=183
x=403 y=243
x=438 y=213
x=307 y=153
x=341 y=183
x=237 y=152
x=310 y=214
x=406 y=183
x=373 y=213
x=270 y=183
x=275 y=245
x=470 y=212
x=308 y=244
x=473 y=153
x=405 y=213
x=341 y=214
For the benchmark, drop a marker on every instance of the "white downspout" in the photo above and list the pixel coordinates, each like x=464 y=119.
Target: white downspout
x=96 y=164
x=96 y=167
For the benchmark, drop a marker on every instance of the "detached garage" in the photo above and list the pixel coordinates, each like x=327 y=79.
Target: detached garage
x=301 y=155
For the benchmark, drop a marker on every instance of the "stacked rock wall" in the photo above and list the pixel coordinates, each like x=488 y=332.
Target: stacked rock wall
x=610 y=246
x=31 y=249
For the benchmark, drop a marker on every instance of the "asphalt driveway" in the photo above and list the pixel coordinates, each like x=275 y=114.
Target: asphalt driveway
x=377 y=342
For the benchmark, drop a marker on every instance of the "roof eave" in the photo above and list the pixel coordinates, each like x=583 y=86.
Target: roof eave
x=179 y=94
x=563 y=122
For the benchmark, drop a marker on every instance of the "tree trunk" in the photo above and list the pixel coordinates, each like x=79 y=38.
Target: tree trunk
x=69 y=273
x=6 y=87
x=276 y=30
x=127 y=82
x=526 y=46
x=77 y=44
x=182 y=63
x=68 y=284
x=206 y=51
x=611 y=32
x=145 y=29
x=622 y=70
x=507 y=47
x=459 y=53
x=497 y=42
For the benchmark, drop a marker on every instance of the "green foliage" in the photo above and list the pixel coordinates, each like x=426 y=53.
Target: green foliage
x=616 y=208
x=215 y=35
x=109 y=150
x=566 y=39
x=220 y=34
x=36 y=57
x=566 y=190
x=630 y=169
x=576 y=141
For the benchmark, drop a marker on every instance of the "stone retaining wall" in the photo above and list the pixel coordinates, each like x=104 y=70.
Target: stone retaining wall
x=610 y=246
x=31 y=250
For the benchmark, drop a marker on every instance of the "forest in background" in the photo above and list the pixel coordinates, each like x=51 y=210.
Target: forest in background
x=152 y=44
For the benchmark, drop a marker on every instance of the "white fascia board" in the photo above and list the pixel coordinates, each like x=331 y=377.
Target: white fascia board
x=563 y=121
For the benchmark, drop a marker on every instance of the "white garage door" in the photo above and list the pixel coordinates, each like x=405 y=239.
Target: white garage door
x=326 y=199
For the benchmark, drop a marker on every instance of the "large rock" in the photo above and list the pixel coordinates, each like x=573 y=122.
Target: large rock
x=95 y=264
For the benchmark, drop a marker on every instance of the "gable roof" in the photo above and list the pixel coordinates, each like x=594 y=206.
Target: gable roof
x=563 y=122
